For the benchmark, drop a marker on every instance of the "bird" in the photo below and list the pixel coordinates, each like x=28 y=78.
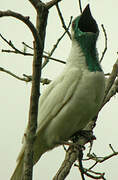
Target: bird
x=70 y=101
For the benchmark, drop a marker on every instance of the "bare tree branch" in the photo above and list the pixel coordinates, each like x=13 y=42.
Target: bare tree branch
x=26 y=78
x=42 y=80
x=27 y=45
x=101 y=159
x=37 y=62
x=99 y=176
x=105 y=49
x=112 y=92
x=55 y=46
x=81 y=169
x=41 y=23
x=80 y=6
x=93 y=173
x=29 y=54
x=52 y=3
x=14 y=75
x=57 y=60
x=37 y=4
x=71 y=156
x=35 y=91
x=24 y=20
x=111 y=80
x=17 y=51
x=62 y=21
x=38 y=50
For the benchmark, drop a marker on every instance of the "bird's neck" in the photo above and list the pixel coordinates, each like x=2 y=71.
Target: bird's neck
x=84 y=57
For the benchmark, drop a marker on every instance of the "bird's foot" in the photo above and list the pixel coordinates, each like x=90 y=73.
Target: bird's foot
x=77 y=139
x=88 y=135
x=68 y=143
x=72 y=144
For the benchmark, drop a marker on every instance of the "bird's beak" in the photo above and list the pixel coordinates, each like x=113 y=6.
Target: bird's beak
x=86 y=21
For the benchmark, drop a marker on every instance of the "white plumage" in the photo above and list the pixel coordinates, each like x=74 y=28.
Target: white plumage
x=66 y=106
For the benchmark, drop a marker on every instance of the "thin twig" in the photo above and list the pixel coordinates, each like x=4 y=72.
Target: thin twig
x=27 y=78
x=17 y=51
x=29 y=54
x=57 y=60
x=80 y=6
x=14 y=75
x=27 y=45
x=101 y=159
x=24 y=19
x=62 y=20
x=101 y=175
x=105 y=49
x=80 y=164
x=55 y=46
x=42 y=80
x=46 y=52
x=93 y=165
x=112 y=92
x=90 y=147
x=111 y=147
x=94 y=172
x=111 y=80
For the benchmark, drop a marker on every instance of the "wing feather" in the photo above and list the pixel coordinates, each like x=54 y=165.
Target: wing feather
x=56 y=96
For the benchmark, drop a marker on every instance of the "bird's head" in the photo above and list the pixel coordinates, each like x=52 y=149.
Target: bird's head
x=85 y=30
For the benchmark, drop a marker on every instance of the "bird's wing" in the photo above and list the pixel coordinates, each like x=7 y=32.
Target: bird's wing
x=57 y=96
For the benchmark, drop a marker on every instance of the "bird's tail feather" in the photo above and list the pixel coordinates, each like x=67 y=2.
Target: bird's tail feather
x=38 y=151
x=17 y=175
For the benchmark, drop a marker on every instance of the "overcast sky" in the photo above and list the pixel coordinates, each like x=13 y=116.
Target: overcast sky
x=14 y=95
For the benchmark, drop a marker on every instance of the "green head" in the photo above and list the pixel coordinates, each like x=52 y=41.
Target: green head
x=85 y=31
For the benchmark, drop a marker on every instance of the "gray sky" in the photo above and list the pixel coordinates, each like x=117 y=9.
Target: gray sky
x=14 y=96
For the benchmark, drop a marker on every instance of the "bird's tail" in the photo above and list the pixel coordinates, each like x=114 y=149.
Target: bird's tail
x=38 y=149
x=17 y=175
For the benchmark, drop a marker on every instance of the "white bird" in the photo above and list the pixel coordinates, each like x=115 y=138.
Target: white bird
x=75 y=97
